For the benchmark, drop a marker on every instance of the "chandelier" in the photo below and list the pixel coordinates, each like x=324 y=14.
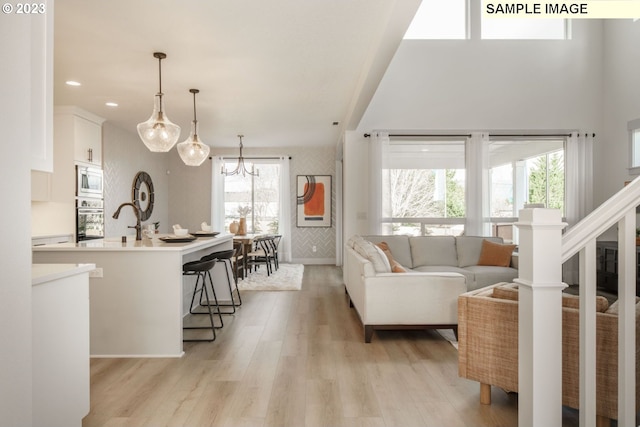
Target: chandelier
x=192 y=151
x=241 y=167
x=158 y=133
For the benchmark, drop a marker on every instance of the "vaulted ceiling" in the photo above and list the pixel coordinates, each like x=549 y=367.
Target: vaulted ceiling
x=279 y=71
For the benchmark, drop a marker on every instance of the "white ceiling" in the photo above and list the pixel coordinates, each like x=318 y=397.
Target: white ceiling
x=278 y=71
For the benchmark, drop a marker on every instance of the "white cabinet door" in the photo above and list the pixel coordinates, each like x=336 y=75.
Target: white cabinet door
x=61 y=377
x=88 y=141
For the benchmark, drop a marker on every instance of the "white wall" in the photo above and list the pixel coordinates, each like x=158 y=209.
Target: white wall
x=492 y=85
x=460 y=86
x=15 y=217
x=621 y=104
x=123 y=156
x=189 y=193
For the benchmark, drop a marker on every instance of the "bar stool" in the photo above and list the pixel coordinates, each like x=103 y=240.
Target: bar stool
x=201 y=270
x=225 y=257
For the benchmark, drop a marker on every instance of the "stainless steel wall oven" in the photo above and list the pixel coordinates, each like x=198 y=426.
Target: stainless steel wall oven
x=89 y=219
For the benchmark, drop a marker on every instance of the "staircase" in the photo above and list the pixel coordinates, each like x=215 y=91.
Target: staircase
x=541 y=276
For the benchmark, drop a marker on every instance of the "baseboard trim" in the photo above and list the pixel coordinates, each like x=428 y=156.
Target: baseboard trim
x=134 y=356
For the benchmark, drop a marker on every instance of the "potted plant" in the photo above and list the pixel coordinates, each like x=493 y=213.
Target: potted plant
x=156 y=225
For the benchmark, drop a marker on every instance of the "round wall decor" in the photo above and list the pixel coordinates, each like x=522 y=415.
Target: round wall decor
x=142 y=194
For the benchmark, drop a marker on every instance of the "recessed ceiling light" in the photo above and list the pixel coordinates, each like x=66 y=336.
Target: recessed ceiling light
x=111 y=104
x=73 y=83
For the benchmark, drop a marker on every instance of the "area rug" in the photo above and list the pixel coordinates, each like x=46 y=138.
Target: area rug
x=448 y=335
x=288 y=277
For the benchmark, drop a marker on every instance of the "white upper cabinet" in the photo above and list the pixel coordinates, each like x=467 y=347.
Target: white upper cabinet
x=84 y=130
x=87 y=140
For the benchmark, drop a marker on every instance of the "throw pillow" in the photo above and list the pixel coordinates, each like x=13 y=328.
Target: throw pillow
x=496 y=254
x=396 y=267
x=615 y=309
x=374 y=254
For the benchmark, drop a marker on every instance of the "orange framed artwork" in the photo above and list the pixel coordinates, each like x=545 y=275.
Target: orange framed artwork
x=313 y=199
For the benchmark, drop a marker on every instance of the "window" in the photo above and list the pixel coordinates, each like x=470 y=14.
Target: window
x=524 y=172
x=518 y=28
x=634 y=146
x=439 y=19
x=423 y=184
x=259 y=195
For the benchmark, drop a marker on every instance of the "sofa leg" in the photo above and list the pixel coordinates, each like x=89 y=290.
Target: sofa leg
x=485 y=394
x=350 y=303
x=368 y=333
x=602 y=421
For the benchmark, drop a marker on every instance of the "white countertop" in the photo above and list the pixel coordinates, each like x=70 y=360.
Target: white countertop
x=115 y=244
x=43 y=273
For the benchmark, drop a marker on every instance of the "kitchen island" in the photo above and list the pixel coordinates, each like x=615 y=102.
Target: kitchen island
x=138 y=295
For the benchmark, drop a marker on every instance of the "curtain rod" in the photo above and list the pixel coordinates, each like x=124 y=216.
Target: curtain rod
x=367 y=135
x=252 y=158
x=537 y=135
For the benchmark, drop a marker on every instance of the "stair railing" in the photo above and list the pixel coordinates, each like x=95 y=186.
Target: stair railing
x=543 y=250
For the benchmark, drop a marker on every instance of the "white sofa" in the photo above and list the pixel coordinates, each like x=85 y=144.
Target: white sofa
x=438 y=269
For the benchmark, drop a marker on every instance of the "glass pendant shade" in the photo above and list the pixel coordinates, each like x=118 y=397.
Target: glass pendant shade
x=192 y=151
x=158 y=133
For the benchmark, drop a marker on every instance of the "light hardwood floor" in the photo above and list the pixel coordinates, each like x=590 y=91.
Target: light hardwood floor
x=297 y=358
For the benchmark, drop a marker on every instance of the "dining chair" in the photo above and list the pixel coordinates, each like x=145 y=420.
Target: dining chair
x=260 y=254
x=237 y=261
x=275 y=242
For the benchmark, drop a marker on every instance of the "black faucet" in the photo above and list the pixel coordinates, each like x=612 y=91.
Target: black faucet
x=136 y=210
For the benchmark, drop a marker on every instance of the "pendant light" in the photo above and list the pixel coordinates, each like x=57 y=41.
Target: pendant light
x=241 y=168
x=192 y=151
x=158 y=133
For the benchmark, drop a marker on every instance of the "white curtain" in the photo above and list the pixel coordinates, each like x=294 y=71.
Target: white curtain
x=217 y=195
x=377 y=146
x=579 y=190
x=477 y=191
x=284 y=221
x=579 y=175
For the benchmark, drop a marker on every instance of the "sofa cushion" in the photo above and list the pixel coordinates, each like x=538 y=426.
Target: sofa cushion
x=469 y=248
x=433 y=251
x=399 y=246
x=468 y=276
x=485 y=275
x=496 y=254
x=395 y=265
x=374 y=254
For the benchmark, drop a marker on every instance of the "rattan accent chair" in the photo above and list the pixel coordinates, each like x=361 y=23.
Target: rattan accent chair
x=488 y=346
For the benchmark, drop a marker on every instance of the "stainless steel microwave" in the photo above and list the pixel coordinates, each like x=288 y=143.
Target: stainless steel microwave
x=89 y=182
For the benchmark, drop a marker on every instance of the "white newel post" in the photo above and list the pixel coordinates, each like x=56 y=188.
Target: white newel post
x=540 y=318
